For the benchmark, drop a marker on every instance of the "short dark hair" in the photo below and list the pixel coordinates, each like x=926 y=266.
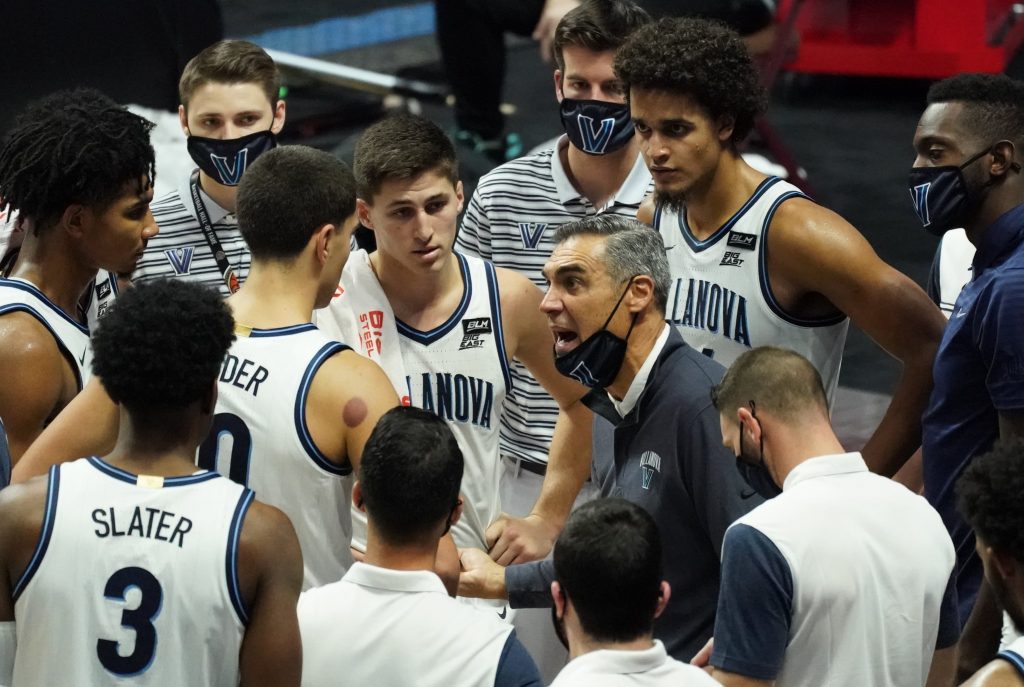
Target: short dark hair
x=410 y=474
x=608 y=562
x=597 y=25
x=230 y=62
x=780 y=381
x=160 y=346
x=631 y=249
x=994 y=104
x=989 y=494
x=702 y=59
x=76 y=146
x=289 y=193
x=402 y=147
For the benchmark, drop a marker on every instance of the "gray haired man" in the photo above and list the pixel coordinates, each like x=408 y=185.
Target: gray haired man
x=656 y=436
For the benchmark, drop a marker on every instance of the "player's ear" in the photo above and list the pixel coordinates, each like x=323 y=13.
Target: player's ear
x=357 y=496
x=456 y=513
x=75 y=219
x=726 y=124
x=459 y=194
x=1004 y=563
x=322 y=239
x=663 y=596
x=363 y=211
x=559 y=93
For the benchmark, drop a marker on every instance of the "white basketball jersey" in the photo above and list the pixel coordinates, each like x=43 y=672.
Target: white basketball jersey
x=459 y=371
x=720 y=299
x=133 y=579
x=18 y=295
x=260 y=439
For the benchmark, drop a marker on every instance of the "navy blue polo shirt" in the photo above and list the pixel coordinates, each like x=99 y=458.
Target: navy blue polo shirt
x=979 y=372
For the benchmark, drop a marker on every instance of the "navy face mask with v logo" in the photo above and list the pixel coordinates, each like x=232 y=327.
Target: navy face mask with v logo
x=596 y=127
x=941 y=197
x=225 y=160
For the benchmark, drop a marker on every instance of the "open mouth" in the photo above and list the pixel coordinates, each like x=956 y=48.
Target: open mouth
x=565 y=341
x=428 y=253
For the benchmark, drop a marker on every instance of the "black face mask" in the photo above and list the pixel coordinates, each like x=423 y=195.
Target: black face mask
x=596 y=127
x=225 y=160
x=596 y=361
x=941 y=197
x=754 y=473
x=559 y=623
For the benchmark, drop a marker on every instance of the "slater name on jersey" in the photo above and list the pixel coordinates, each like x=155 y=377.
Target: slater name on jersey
x=455 y=397
x=149 y=523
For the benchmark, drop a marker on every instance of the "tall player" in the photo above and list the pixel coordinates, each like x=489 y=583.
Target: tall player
x=135 y=568
x=87 y=206
x=444 y=326
x=294 y=407
x=755 y=262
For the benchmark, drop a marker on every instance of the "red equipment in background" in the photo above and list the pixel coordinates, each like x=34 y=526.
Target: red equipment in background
x=905 y=38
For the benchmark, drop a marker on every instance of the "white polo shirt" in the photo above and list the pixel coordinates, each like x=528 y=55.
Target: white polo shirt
x=844 y=579
x=648 y=668
x=396 y=628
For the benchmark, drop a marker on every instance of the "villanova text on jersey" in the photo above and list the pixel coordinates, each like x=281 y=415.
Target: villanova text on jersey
x=455 y=397
x=708 y=307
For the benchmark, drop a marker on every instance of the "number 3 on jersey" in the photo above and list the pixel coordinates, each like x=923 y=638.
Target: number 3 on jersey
x=227 y=427
x=139 y=619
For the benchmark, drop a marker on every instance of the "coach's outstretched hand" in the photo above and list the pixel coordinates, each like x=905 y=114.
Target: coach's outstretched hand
x=481 y=578
x=520 y=540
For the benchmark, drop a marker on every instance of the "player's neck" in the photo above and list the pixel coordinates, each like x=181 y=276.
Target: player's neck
x=711 y=204
x=639 y=345
x=164 y=446
x=222 y=195
x=598 y=177
x=273 y=297
x=54 y=269
x=410 y=291
x=405 y=557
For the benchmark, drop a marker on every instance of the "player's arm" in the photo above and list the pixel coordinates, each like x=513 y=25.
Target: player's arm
x=346 y=399
x=645 y=213
x=87 y=426
x=813 y=250
x=517 y=540
x=270 y=577
x=34 y=380
x=997 y=673
x=22 y=509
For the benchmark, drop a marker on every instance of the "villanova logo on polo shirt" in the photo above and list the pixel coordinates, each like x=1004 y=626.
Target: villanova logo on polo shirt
x=650 y=463
x=531 y=233
x=180 y=259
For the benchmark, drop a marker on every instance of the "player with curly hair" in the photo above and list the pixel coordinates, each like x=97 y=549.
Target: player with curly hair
x=178 y=575
x=78 y=169
x=754 y=261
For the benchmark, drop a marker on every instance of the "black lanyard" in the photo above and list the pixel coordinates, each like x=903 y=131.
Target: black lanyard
x=226 y=270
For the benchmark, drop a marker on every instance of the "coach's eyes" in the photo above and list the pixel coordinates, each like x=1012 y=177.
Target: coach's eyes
x=641 y=128
x=935 y=154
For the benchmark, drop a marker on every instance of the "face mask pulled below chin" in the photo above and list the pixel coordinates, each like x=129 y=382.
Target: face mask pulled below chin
x=596 y=127
x=596 y=361
x=941 y=197
x=225 y=160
